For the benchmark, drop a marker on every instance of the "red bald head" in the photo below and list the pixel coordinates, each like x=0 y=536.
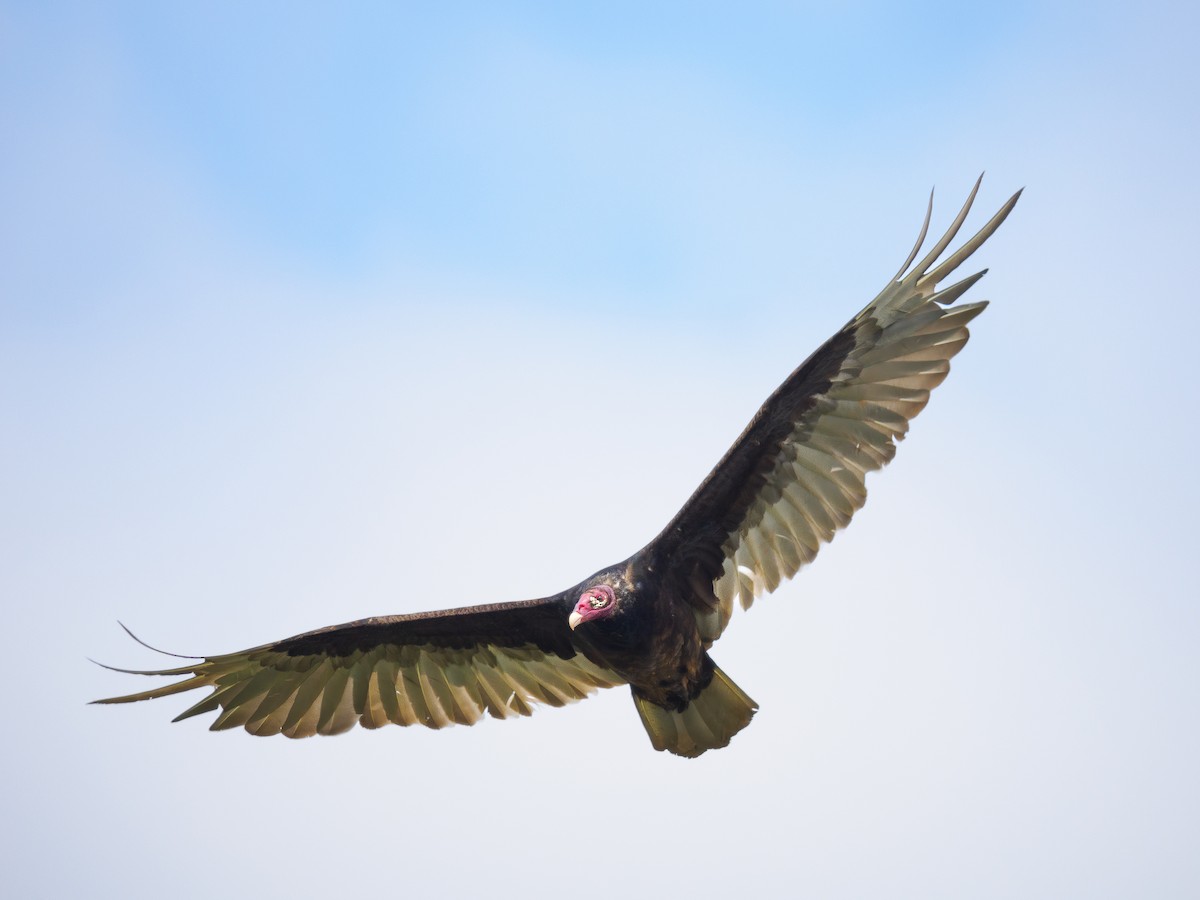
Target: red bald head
x=596 y=602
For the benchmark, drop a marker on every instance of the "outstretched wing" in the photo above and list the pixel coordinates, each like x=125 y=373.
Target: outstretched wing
x=797 y=473
x=433 y=669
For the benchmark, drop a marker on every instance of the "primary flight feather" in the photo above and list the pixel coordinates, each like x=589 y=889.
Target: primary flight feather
x=792 y=479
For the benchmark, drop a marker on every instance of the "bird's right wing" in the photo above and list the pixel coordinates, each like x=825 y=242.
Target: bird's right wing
x=433 y=669
x=798 y=472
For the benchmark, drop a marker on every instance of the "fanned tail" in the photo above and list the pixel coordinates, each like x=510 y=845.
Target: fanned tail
x=708 y=723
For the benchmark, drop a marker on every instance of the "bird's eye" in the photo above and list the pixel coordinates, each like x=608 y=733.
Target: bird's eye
x=597 y=602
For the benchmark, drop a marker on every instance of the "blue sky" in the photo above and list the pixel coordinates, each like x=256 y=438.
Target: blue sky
x=313 y=314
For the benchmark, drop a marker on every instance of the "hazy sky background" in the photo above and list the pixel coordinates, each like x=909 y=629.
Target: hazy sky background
x=309 y=315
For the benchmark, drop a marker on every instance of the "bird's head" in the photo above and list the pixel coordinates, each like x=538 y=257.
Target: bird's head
x=596 y=602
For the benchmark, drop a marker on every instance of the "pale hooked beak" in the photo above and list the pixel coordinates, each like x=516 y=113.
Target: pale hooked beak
x=574 y=619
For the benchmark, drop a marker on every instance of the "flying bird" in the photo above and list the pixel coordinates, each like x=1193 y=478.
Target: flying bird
x=792 y=479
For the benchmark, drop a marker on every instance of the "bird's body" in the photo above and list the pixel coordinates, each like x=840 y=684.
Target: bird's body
x=794 y=477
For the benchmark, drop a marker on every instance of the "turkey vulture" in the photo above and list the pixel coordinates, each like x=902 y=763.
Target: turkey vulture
x=793 y=478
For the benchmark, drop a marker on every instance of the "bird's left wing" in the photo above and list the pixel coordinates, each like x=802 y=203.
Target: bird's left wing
x=433 y=669
x=797 y=473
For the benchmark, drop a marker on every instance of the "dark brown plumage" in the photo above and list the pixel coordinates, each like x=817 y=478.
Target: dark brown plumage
x=794 y=476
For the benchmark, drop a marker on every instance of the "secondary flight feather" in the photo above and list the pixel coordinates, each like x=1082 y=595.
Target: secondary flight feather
x=793 y=478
